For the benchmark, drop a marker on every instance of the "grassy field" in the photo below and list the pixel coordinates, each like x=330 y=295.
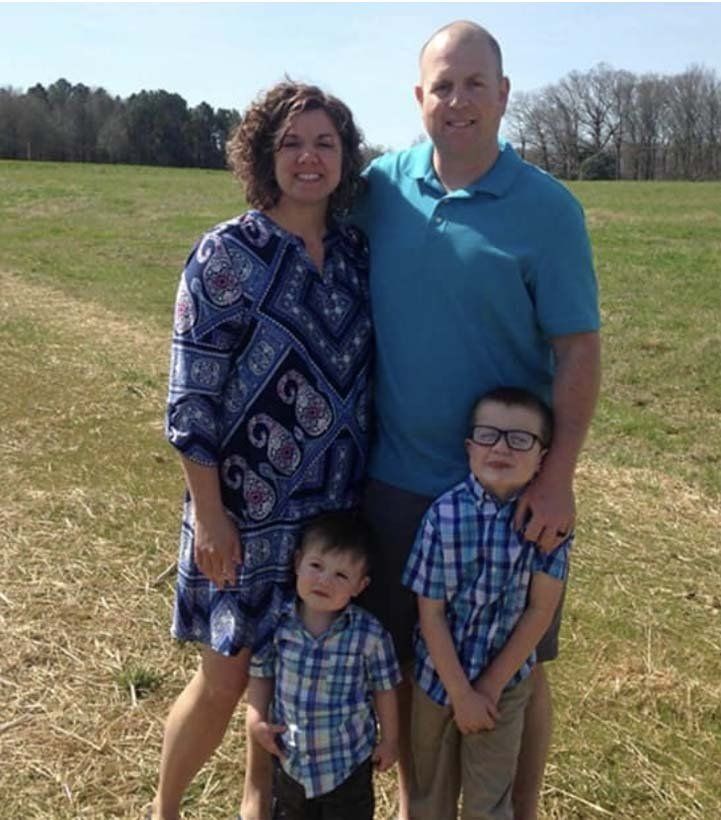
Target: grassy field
x=91 y=492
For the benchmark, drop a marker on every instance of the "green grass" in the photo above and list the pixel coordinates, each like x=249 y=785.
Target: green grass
x=115 y=234
x=91 y=495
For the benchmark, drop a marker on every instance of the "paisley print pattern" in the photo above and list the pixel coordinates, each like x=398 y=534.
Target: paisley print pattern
x=311 y=410
x=223 y=283
x=258 y=494
x=269 y=382
x=283 y=453
x=184 y=309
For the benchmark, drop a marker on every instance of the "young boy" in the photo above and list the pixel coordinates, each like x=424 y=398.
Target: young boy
x=329 y=670
x=485 y=598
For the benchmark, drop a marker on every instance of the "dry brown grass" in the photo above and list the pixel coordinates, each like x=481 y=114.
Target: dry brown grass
x=88 y=531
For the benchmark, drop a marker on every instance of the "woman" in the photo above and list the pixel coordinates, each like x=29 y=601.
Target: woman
x=268 y=401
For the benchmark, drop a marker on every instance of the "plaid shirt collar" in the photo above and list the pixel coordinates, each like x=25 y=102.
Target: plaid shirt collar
x=484 y=496
x=291 y=614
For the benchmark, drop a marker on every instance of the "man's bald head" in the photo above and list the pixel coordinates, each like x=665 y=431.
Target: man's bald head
x=463 y=31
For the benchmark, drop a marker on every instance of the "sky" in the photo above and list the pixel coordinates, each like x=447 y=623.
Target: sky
x=365 y=53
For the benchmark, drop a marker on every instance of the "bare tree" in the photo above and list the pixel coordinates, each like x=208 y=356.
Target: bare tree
x=622 y=89
x=650 y=102
x=686 y=99
x=711 y=125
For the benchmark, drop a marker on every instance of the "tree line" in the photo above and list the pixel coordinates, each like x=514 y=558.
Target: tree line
x=600 y=124
x=612 y=124
x=81 y=124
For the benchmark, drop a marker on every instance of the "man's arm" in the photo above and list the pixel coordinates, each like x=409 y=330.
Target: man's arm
x=544 y=595
x=472 y=710
x=259 y=695
x=548 y=502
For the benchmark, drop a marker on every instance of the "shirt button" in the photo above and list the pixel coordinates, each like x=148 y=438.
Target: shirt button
x=438 y=219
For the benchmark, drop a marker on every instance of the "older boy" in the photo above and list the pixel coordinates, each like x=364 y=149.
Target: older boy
x=330 y=670
x=485 y=597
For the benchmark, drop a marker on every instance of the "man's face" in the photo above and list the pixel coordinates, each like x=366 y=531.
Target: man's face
x=462 y=98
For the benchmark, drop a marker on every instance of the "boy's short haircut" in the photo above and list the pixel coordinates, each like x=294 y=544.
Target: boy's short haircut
x=341 y=531
x=519 y=397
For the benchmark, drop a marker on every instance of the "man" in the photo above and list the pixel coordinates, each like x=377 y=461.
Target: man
x=481 y=275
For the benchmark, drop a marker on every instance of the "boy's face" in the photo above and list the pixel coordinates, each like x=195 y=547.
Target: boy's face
x=327 y=580
x=501 y=469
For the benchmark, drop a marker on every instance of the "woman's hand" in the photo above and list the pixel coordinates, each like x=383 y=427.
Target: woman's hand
x=217 y=547
x=217 y=543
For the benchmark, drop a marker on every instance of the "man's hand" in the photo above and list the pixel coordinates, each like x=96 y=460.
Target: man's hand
x=266 y=735
x=546 y=512
x=474 y=712
x=385 y=754
x=217 y=548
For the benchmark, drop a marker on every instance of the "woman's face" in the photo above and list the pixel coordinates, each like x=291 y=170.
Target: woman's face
x=308 y=159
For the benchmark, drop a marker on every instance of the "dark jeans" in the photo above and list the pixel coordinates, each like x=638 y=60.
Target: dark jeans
x=352 y=800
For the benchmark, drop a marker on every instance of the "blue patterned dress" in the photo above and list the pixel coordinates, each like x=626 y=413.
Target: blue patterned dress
x=269 y=381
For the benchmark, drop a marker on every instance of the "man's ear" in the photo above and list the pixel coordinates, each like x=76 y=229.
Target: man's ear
x=505 y=91
x=418 y=90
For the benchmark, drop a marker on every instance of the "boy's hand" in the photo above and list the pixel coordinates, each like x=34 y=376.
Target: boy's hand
x=490 y=693
x=266 y=735
x=385 y=754
x=474 y=712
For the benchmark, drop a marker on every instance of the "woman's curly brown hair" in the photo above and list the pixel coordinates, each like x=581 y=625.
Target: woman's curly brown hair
x=251 y=149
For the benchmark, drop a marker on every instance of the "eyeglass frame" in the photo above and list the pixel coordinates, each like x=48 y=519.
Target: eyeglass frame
x=505 y=435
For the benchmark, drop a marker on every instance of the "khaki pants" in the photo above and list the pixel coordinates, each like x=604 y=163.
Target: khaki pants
x=481 y=765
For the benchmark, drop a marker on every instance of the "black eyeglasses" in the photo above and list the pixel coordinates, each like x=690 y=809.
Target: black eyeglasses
x=487 y=436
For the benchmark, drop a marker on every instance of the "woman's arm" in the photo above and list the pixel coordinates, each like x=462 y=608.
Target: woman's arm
x=217 y=543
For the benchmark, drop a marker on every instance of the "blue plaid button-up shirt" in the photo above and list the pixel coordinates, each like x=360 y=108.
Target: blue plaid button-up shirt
x=468 y=554
x=324 y=693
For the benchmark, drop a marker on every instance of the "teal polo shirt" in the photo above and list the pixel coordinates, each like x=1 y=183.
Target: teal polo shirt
x=468 y=288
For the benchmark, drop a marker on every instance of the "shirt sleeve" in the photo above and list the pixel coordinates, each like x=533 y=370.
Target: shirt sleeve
x=423 y=572
x=207 y=334
x=553 y=563
x=262 y=662
x=382 y=666
x=565 y=285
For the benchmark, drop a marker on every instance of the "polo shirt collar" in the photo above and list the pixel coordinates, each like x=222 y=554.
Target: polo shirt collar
x=496 y=181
